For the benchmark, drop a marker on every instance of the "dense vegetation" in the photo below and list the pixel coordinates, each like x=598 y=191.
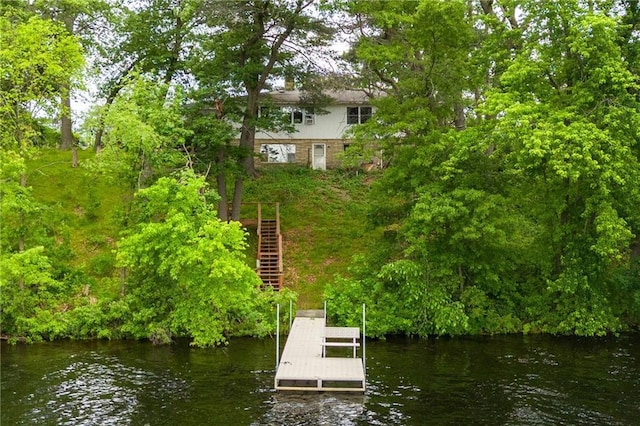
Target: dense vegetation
x=82 y=216
x=512 y=200
x=509 y=200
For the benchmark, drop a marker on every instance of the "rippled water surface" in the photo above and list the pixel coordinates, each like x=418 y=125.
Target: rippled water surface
x=499 y=380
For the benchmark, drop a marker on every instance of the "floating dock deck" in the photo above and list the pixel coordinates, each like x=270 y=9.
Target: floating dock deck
x=304 y=365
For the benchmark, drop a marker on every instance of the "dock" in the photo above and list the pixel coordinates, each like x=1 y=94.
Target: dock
x=305 y=366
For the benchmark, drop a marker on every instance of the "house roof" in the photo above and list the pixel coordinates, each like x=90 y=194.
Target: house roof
x=340 y=97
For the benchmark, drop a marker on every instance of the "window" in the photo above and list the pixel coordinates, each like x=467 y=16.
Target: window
x=358 y=115
x=365 y=114
x=279 y=152
x=300 y=116
x=269 y=112
x=296 y=116
x=353 y=115
x=309 y=116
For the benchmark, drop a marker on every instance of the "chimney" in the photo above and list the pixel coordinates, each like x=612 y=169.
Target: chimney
x=288 y=83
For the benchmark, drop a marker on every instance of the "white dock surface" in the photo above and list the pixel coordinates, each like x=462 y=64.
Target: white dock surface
x=302 y=366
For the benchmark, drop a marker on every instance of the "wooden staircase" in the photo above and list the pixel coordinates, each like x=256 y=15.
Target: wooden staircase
x=269 y=261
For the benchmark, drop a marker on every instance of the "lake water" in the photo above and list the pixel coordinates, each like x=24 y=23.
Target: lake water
x=510 y=380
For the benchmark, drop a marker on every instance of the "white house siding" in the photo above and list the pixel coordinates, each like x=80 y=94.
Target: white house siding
x=327 y=126
x=327 y=129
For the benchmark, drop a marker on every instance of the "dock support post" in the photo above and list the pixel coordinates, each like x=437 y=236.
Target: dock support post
x=364 y=340
x=277 y=336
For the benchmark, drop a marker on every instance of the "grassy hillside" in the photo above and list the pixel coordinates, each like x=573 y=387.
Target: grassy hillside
x=86 y=206
x=322 y=221
x=321 y=216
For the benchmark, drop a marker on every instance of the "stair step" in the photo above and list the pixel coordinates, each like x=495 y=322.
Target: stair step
x=270 y=254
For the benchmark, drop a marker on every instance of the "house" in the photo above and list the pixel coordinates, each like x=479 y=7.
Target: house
x=319 y=138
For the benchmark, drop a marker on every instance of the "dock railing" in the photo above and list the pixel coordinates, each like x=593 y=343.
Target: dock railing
x=305 y=365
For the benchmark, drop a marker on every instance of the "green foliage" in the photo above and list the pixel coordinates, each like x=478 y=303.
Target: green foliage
x=526 y=220
x=102 y=265
x=398 y=301
x=186 y=273
x=570 y=138
x=39 y=59
x=523 y=219
x=27 y=285
x=144 y=133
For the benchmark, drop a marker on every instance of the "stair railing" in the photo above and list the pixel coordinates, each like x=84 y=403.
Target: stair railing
x=260 y=268
x=259 y=233
x=279 y=237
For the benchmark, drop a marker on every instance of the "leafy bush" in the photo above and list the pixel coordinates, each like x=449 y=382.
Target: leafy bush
x=186 y=272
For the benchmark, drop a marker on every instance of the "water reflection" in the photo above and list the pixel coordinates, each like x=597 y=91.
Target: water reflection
x=96 y=389
x=314 y=409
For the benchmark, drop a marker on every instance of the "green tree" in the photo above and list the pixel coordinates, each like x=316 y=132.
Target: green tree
x=186 y=270
x=145 y=133
x=417 y=53
x=38 y=58
x=153 y=37
x=568 y=129
x=86 y=21
x=248 y=44
x=525 y=220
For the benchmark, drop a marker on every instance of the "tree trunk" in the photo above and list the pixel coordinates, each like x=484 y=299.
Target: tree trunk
x=66 y=131
x=237 y=198
x=23 y=183
x=174 y=57
x=123 y=280
x=460 y=119
x=223 y=202
x=221 y=179
x=74 y=157
x=247 y=148
x=248 y=134
x=635 y=250
x=21 y=243
x=97 y=143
